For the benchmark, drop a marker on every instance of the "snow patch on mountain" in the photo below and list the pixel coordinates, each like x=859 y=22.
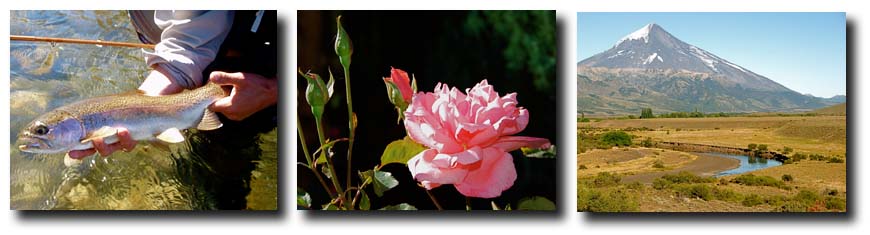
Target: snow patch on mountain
x=642 y=33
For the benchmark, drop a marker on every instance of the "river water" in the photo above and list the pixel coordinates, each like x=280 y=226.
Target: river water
x=747 y=163
x=234 y=167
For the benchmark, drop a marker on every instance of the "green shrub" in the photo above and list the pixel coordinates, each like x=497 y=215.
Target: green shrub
x=658 y=164
x=752 y=200
x=793 y=206
x=806 y=197
x=753 y=180
x=647 y=142
x=687 y=177
x=798 y=157
x=594 y=200
x=835 y=203
x=701 y=191
x=832 y=192
x=752 y=146
x=787 y=178
x=836 y=160
x=661 y=184
x=606 y=179
x=582 y=167
x=616 y=138
x=635 y=186
x=726 y=194
x=786 y=150
x=762 y=147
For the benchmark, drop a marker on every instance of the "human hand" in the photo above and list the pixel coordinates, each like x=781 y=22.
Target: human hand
x=251 y=93
x=159 y=83
x=125 y=142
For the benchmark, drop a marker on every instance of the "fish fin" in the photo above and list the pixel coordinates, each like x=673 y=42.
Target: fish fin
x=171 y=135
x=71 y=162
x=210 y=121
x=107 y=133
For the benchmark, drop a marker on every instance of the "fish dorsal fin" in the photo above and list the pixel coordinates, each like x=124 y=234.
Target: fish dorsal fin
x=210 y=121
x=171 y=135
x=107 y=133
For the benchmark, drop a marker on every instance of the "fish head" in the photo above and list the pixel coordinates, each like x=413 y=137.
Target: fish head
x=54 y=132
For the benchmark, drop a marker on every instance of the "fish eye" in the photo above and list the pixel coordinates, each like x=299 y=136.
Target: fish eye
x=40 y=130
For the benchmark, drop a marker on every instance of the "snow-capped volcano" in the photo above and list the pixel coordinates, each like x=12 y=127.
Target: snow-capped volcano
x=650 y=68
x=651 y=47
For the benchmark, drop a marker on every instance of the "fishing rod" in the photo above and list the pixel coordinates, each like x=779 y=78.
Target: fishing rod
x=79 y=41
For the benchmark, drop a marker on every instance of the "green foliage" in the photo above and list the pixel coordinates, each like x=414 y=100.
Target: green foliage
x=549 y=152
x=762 y=147
x=646 y=113
x=615 y=200
x=381 y=180
x=752 y=146
x=530 y=38
x=753 y=180
x=807 y=197
x=701 y=191
x=835 y=203
x=836 y=160
x=786 y=150
x=687 y=177
x=752 y=200
x=793 y=206
x=400 y=207
x=658 y=164
x=536 y=203
x=364 y=202
x=400 y=151
x=634 y=186
x=606 y=179
x=726 y=194
x=647 y=142
x=787 y=178
x=303 y=200
x=616 y=138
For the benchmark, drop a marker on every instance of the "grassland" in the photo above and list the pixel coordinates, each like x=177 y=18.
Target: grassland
x=812 y=185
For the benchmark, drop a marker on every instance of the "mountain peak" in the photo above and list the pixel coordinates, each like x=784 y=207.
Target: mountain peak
x=642 y=33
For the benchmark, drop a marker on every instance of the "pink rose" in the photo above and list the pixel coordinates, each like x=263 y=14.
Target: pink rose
x=401 y=80
x=468 y=138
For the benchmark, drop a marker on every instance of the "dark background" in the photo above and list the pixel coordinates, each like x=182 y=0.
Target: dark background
x=514 y=50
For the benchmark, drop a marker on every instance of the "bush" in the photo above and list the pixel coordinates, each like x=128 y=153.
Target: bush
x=616 y=138
x=701 y=191
x=792 y=206
x=752 y=200
x=606 y=179
x=635 y=186
x=593 y=200
x=835 y=203
x=753 y=180
x=807 y=197
x=582 y=167
x=762 y=147
x=687 y=177
x=835 y=160
x=787 y=178
x=726 y=195
x=647 y=142
x=832 y=192
x=658 y=164
x=752 y=146
x=786 y=150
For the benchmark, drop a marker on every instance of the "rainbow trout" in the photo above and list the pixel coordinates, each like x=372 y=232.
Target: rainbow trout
x=74 y=126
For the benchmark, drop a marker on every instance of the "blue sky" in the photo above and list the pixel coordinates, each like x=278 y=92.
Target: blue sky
x=805 y=52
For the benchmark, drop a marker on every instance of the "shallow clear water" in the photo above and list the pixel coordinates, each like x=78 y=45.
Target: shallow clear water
x=747 y=164
x=232 y=168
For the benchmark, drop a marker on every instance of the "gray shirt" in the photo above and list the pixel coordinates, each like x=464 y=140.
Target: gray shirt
x=186 y=41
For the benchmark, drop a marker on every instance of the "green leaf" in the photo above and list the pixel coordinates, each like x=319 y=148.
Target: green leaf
x=400 y=207
x=330 y=207
x=383 y=181
x=400 y=151
x=364 y=203
x=321 y=158
x=303 y=200
x=536 y=203
x=540 y=153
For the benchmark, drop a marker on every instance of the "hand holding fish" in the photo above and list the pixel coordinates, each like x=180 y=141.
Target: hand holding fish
x=251 y=93
x=125 y=142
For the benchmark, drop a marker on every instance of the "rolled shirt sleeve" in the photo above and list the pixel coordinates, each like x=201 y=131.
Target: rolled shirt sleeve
x=189 y=42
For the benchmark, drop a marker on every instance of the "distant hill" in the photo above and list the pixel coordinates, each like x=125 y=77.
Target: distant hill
x=650 y=68
x=838 y=109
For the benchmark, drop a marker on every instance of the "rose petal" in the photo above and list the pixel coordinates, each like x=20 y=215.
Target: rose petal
x=495 y=174
x=423 y=169
x=511 y=143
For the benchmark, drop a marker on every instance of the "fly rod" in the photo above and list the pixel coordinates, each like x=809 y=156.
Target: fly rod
x=79 y=41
